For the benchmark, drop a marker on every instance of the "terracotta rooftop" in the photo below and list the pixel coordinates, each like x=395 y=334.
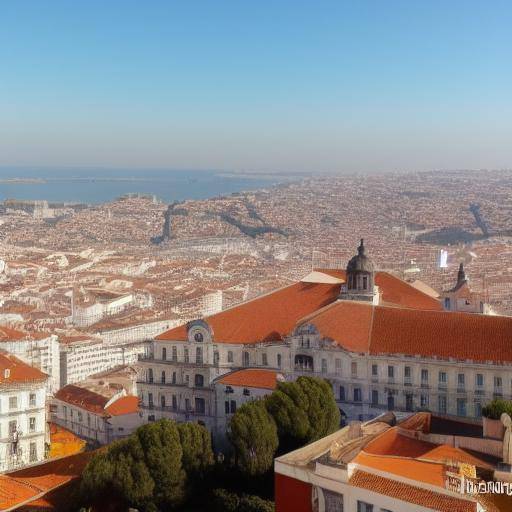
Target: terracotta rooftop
x=410 y=494
x=267 y=318
x=273 y=316
x=362 y=327
x=12 y=370
x=83 y=398
x=95 y=403
x=251 y=378
x=27 y=488
x=124 y=405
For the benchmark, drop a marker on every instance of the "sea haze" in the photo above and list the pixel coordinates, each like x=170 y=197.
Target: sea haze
x=102 y=185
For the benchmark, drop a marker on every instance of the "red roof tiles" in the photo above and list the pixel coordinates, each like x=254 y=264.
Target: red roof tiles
x=251 y=378
x=83 y=398
x=12 y=370
x=410 y=494
x=266 y=318
x=124 y=405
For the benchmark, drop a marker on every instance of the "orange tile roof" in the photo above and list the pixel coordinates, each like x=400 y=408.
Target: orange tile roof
x=9 y=334
x=347 y=323
x=410 y=494
x=267 y=318
x=251 y=378
x=18 y=371
x=26 y=488
x=395 y=291
x=392 y=443
x=441 y=334
x=362 y=327
x=426 y=472
x=83 y=398
x=124 y=405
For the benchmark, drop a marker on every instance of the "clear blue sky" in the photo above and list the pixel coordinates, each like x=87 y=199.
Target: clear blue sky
x=257 y=85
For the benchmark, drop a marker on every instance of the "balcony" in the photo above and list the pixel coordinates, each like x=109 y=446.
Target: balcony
x=442 y=386
x=479 y=390
x=424 y=384
x=407 y=381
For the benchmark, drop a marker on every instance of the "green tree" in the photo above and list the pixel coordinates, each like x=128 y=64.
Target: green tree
x=197 y=448
x=253 y=434
x=144 y=470
x=250 y=503
x=304 y=410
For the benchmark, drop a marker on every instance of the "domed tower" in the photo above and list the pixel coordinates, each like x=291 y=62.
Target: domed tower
x=360 y=276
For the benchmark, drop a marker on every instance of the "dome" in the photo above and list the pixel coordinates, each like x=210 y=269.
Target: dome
x=360 y=262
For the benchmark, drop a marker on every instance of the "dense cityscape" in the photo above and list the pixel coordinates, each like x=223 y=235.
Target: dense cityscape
x=94 y=297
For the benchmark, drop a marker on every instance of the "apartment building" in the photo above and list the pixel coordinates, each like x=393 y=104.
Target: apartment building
x=381 y=342
x=37 y=349
x=23 y=422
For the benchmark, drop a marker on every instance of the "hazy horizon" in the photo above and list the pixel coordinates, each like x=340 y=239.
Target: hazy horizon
x=290 y=87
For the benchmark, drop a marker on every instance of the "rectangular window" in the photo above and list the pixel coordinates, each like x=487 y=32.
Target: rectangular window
x=478 y=410
x=199 y=355
x=357 y=394
x=13 y=426
x=362 y=506
x=185 y=355
x=164 y=353
x=32 y=424
x=333 y=501
x=479 y=380
x=461 y=380
x=342 y=393
x=264 y=360
x=424 y=401
x=409 y=404
x=375 y=370
x=33 y=452
x=32 y=400
x=200 y=405
x=461 y=407
x=441 y=400
x=353 y=368
x=424 y=377
x=442 y=377
x=391 y=372
x=407 y=372
x=279 y=360
x=337 y=364
x=174 y=402
x=230 y=356
x=233 y=406
x=13 y=402
x=174 y=354
x=226 y=406
x=497 y=382
x=324 y=365
x=375 y=397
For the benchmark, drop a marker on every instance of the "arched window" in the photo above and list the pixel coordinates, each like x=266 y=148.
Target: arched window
x=164 y=353
x=174 y=354
x=199 y=355
x=163 y=377
x=198 y=337
x=198 y=381
x=230 y=356
x=245 y=359
x=162 y=401
x=150 y=375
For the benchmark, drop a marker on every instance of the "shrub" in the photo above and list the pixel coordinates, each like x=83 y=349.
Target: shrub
x=493 y=410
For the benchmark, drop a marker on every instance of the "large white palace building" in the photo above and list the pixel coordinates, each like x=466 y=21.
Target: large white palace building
x=381 y=342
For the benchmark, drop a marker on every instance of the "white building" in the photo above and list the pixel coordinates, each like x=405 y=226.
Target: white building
x=40 y=350
x=82 y=356
x=382 y=343
x=94 y=416
x=23 y=424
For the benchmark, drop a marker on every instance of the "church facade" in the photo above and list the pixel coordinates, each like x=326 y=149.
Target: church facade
x=382 y=343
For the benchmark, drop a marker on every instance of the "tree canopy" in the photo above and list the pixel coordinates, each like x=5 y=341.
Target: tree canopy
x=304 y=410
x=253 y=433
x=197 y=448
x=145 y=470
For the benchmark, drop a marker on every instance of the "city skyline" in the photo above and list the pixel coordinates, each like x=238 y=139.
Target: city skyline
x=336 y=87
